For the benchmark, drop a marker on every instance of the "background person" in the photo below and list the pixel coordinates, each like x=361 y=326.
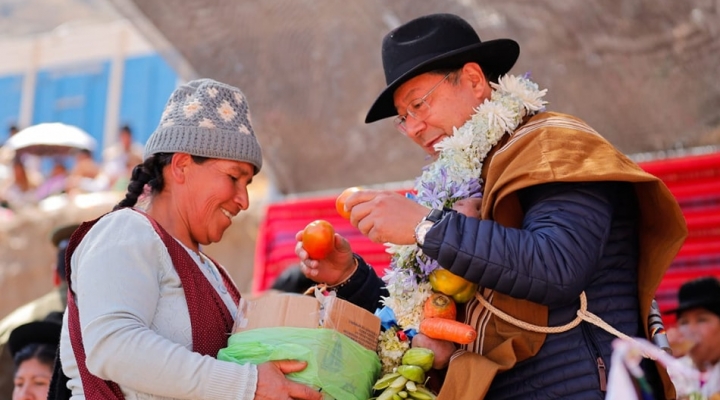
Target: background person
x=18 y=192
x=36 y=310
x=562 y=213
x=33 y=347
x=698 y=321
x=147 y=310
x=120 y=158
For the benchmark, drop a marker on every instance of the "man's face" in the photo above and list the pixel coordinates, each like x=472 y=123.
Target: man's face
x=451 y=103
x=703 y=328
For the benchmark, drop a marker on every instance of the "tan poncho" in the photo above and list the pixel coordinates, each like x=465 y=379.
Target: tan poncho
x=553 y=147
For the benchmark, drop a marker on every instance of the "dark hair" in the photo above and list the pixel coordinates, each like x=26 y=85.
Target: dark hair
x=150 y=173
x=43 y=352
x=126 y=128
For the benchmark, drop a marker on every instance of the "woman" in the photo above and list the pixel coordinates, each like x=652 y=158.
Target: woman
x=147 y=310
x=21 y=191
x=33 y=347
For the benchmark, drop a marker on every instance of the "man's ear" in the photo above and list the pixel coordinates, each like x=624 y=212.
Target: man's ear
x=474 y=74
x=179 y=166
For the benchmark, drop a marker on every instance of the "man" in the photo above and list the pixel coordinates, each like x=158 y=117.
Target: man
x=564 y=216
x=54 y=301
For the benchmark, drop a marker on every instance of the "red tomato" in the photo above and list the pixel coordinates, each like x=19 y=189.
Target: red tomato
x=318 y=239
x=340 y=201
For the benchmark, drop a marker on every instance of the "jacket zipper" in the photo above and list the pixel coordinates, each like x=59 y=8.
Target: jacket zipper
x=595 y=350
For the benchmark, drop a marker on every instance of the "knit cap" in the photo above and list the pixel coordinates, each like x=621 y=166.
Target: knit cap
x=209 y=119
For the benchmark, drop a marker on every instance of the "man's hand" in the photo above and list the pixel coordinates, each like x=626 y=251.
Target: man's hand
x=470 y=207
x=273 y=385
x=336 y=267
x=385 y=216
x=442 y=349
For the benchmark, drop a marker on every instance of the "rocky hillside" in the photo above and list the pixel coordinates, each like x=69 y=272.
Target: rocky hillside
x=642 y=72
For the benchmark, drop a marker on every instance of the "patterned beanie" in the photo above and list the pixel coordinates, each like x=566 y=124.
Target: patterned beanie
x=209 y=119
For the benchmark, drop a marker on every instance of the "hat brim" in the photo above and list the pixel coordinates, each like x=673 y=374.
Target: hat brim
x=44 y=332
x=691 y=305
x=495 y=57
x=62 y=233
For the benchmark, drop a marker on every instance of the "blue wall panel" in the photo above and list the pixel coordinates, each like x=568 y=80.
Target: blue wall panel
x=74 y=95
x=10 y=97
x=147 y=84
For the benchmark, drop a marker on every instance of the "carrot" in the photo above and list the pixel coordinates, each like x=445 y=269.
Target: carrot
x=447 y=329
x=439 y=305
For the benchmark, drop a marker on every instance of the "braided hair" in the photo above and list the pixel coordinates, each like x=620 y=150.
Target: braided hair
x=149 y=173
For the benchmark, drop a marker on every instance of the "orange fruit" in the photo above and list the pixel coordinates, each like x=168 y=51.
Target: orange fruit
x=440 y=306
x=318 y=239
x=460 y=289
x=340 y=201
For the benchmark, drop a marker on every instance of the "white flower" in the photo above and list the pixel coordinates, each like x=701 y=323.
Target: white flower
x=497 y=116
x=226 y=111
x=191 y=108
x=523 y=88
x=391 y=349
x=459 y=141
x=212 y=92
x=206 y=123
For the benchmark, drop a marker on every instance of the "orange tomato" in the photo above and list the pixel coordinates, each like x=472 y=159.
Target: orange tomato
x=318 y=239
x=340 y=201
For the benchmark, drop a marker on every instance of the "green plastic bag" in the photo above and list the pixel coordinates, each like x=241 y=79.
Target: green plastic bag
x=338 y=366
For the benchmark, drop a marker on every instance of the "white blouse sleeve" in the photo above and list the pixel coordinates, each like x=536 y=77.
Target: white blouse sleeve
x=117 y=271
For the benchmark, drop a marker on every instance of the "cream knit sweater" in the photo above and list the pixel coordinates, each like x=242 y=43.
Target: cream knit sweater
x=135 y=322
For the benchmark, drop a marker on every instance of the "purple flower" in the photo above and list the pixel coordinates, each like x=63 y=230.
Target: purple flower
x=426 y=264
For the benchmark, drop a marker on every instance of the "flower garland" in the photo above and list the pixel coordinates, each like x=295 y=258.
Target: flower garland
x=453 y=176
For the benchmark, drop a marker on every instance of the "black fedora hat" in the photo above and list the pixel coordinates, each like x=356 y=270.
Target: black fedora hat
x=433 y=42
x=46 y=331
x=698 y=293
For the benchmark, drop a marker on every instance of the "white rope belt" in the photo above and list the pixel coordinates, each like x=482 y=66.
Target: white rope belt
x=582 y=315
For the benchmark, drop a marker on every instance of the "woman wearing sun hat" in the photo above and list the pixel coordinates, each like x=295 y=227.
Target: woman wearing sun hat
x=33 y=347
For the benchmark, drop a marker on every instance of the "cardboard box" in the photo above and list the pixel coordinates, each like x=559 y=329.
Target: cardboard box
x=300 y=311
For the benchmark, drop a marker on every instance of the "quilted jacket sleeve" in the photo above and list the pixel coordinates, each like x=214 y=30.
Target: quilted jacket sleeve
x=364 y=288
x=549 y=260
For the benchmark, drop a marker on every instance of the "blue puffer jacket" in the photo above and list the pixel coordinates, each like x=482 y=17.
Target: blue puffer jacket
x=574 y=237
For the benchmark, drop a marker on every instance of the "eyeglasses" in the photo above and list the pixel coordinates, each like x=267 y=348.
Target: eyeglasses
x=418 y=109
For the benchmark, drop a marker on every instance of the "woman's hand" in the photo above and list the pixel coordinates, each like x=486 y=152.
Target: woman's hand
x=335 y=268
x=273 y=385
x=442 y=349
